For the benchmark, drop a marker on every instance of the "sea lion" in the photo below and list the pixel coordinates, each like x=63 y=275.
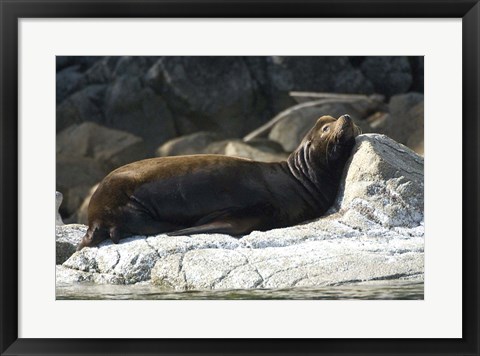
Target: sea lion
x=187 y=195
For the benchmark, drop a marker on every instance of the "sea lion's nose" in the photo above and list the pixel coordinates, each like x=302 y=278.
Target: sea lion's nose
x=347 y=117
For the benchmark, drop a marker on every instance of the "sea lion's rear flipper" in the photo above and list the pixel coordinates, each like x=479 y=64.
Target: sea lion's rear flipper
x=229 y=226
x=116 y=234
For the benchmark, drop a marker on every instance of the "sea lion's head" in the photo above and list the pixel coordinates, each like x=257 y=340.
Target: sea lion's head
x=331 y=140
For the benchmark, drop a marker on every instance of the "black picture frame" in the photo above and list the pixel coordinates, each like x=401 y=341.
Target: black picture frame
x=12 y=11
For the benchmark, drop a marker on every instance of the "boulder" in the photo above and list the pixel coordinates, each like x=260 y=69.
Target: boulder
x=374 y=231
x=259 y=151
x=313 y=73
x=417 y=64
x=110 y=148
x=389 y=75
x=67 y=237
x=83 y=62
x=132 y=265
x=86 y=104
x=101 y=72
x=389 y=194
x=86 y=153
x=405 y=120
x=68 y=80
x=267 y=145
x=241 y=149
x=189 y=144
x=159 y=98
x=205 y=142
x=97 y=70
x=75 y=177
x=298 y=120
x=68 y=276
x=132 y=107
x=209 y=93
x=133 y=66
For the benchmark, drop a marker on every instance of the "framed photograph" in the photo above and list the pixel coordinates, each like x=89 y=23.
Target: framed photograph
x=239 y=177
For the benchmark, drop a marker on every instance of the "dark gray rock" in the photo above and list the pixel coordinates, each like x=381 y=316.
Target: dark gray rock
x=84 y=105
x=108 y=147
x=321 y=74
x=389 y=75
x=66 y=240
x=68 y=80
x=75 y=78
x=417 y=64
x=315 y=74
x=133 y=66
x=100 y=72
x=86 y=153
x=75 y=177
x=209 y=93
x=83 y=61
x=131 y=107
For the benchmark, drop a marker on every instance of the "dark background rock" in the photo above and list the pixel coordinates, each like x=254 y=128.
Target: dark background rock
x=83 y=61
x=110 y=148
x=405 y=120
x=132 y=107
x=160 y=99
x=68 y=80
x=389 y=75
x=86 y=104
x=211 y=93
x=75 y=177
x=416 y=64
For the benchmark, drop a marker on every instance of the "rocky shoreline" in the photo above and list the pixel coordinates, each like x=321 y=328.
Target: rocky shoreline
x=374 y=231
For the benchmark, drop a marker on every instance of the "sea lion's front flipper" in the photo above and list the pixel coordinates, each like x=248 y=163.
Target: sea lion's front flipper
x=229 y=226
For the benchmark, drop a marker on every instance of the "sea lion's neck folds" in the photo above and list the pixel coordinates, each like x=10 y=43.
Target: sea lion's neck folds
x=302 y=166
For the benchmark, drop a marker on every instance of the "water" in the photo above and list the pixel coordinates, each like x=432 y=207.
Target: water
x=400 y=290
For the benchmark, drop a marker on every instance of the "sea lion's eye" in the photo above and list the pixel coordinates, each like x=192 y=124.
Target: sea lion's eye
x=326 y=128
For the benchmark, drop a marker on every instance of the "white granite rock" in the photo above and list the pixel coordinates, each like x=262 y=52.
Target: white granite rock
x=67 y=237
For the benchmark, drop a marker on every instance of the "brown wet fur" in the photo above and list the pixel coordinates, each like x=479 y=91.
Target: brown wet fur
x=186 y=195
